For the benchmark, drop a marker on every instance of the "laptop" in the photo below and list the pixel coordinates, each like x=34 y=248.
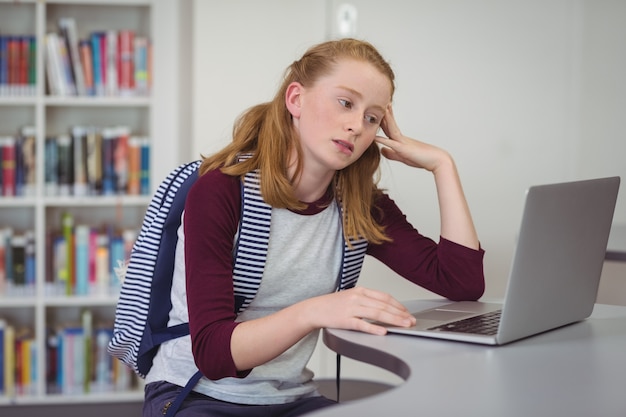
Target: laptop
x=555 y=273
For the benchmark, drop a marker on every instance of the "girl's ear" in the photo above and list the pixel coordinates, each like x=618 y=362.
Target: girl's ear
x=293 y=98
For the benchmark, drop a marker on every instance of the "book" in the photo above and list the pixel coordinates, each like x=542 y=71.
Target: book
x=65 y=164
x=134 y=165
x=28 y=160
x=67 y=27
x=111 y=63
x=126 y=43
x=86 y=59
x=9 y=361
x=51 y=163
x=144 y=178
x=4 y=65
x=30 y=261
x=67 y=227
x=3 y=266
x=141 y=65
x=120 y=159
x=55 y=71
x=81 y=254
x=8 y=166
x=109 y=138
x=3 y=324
x=96 y=56
x=94 y=160
x=79 y=158
x=18 y=248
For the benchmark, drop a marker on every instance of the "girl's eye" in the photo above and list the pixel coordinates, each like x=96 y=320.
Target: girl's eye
x=371 y=119
x=345 y=103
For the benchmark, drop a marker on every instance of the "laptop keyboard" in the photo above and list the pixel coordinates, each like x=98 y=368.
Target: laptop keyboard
x=484 y=324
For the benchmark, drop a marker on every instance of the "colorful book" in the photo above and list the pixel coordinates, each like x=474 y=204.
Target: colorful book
x=94 y=160
x=141 y=65
x=67 y=227
x=86 y=59
x=144 y=179
x=79 y=158
x=8 y=166
x=98 y=80
x=28 y=160
x=4 y=65
x=111 y=63
x=81 y=254
x=51 y=163
x=67 y=27
x=120 y=159
x=65 y=166
x=126 y=66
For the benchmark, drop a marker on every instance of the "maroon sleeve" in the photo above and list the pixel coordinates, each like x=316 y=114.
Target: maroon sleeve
x=447 y=269
x=211 y=219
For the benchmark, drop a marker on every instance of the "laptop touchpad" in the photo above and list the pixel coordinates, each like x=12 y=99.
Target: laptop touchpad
x=442 y=315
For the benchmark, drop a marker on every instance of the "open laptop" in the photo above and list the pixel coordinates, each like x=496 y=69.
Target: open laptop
x=555 y=272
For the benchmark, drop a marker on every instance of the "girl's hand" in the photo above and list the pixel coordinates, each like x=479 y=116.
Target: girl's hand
x=356 y=308
x=409 y=151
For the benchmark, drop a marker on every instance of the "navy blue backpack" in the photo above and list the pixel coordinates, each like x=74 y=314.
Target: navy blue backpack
x=144 y=303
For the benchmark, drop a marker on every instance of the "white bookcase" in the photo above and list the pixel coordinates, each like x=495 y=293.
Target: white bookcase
x=160 y=116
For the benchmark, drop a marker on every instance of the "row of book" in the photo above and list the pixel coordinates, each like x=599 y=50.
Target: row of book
x=17 y=262
x=18 y=163
x=18 y=360
x=87 y=161
x=76 y=360
x=18 y=65
x=105 y=63
x=86 y=260
x=92 y=161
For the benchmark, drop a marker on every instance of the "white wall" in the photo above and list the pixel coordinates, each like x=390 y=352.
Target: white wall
x=520 y=92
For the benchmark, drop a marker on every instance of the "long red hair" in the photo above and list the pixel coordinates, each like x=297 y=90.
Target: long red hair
x=266 y=131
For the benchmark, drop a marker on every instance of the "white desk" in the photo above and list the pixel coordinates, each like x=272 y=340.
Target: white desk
x=616 y=248
x=577 y=370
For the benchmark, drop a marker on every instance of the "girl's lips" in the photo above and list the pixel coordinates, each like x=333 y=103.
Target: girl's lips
x=344 y=146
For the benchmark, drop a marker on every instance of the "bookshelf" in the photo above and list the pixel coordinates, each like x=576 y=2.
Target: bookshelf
x=40 y=308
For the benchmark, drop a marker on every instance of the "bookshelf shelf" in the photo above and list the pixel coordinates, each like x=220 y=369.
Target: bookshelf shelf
x=35 y=309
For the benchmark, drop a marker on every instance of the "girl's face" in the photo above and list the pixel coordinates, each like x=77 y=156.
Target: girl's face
x=338 y=117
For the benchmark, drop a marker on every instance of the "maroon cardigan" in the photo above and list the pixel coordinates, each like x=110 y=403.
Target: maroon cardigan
x=211 y=219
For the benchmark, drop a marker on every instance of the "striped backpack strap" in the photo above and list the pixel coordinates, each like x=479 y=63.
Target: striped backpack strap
x=252 y=242
x=144 y=303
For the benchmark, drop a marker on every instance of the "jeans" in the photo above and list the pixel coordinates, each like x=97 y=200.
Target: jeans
x=159 y=394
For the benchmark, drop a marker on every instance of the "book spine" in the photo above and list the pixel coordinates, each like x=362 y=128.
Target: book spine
x=29 y=160
x=86 y=59
x=30 y=264
x=67 y=26
x=81 y=250
x=32 y=65
x=134 y=165
x=141 y=65
x=51 y=164
x=126 y=56
x=98 y=80
x=109 y=136
x=120 y=159
x=65 y=168
x=111 y=63
x=79 y=143
x=144 y=178
x=8 y=166
x=4 y=65
x=67 y=225
x=9 y=361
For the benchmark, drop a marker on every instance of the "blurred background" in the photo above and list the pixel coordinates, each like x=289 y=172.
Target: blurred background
x=519 y=92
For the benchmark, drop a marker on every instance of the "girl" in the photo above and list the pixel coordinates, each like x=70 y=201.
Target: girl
x=281 y=218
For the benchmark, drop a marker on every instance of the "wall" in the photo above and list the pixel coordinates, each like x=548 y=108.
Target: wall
x=520 y=92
